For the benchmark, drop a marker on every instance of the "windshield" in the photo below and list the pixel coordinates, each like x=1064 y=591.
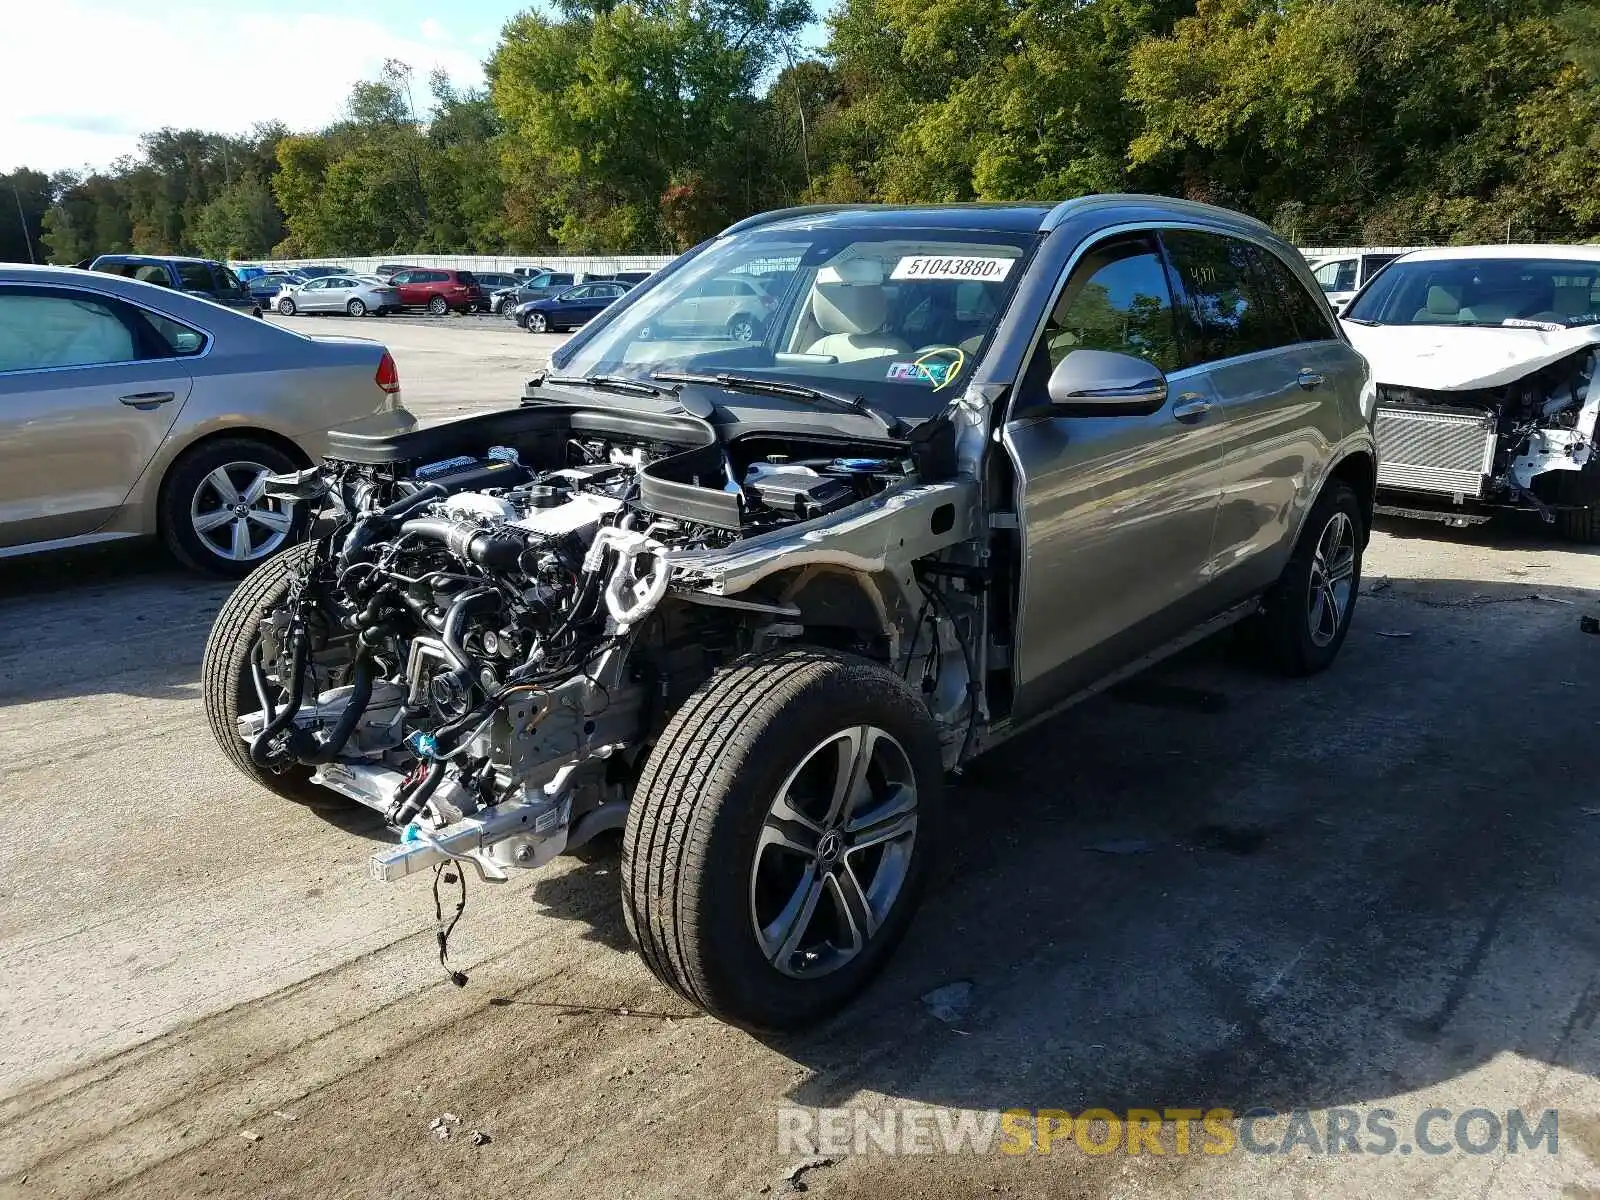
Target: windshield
x=1482 y=292
x=897 y=316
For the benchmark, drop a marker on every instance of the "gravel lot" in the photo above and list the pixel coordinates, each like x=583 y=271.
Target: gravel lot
x=1376 y=889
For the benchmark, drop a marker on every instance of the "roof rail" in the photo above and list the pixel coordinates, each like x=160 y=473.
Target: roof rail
x=784 y=214
x=1067 y=208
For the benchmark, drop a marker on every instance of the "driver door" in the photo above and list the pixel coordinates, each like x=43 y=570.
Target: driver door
x=1115 y=512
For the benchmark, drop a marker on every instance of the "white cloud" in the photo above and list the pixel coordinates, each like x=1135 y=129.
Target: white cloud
x=83 y=78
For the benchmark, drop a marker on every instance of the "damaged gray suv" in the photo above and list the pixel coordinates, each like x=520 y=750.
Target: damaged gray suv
x=748 y=600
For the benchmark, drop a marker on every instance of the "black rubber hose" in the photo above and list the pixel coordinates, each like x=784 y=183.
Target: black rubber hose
x=297 y=682
x=412 y=804
x=354 y=709
x=376 y=524
x=498 y=552
x=468 y=603
x=581 y=604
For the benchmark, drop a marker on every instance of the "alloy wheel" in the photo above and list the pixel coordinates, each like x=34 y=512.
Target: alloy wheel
x=233 y=515
x=356 y=308
x=743 y=329
x=1333 y=569
x=537 y=322
x=834 y=852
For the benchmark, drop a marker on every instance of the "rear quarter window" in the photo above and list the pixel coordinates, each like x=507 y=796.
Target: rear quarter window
x=1297 y=306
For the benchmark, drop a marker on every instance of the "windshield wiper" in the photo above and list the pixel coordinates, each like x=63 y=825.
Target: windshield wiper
x=1358 y=321
x=774 y=387
x=616 y=383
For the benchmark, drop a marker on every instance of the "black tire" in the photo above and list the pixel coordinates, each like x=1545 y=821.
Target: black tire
x=286 y=307
x=690 y=842
x=184 y=478
x=538 y=323
x=1283 y=630
x=438 y=306
x=356 y=308
x=225 y=681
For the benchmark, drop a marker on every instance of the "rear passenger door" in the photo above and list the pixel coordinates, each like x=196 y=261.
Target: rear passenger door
x=1271 y=357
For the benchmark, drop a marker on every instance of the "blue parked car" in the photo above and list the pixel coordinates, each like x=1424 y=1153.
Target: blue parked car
x=571 y=308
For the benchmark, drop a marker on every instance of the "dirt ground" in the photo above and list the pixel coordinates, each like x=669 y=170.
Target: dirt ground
x=1375 y=889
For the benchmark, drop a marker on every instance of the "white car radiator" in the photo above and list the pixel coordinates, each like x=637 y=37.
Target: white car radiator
x=1435 y=451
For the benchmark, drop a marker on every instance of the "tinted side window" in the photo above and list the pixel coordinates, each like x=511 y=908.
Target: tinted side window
x=180 y=340
x=1226 y=309
x=40 y=330
x=1116 y=299
x=196 y=277
x=1298 y=305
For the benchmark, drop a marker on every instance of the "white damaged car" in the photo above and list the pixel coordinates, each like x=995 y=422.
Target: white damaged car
x=1485 y=359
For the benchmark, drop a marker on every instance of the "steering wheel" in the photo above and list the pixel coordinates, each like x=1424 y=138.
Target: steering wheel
x=956 y=356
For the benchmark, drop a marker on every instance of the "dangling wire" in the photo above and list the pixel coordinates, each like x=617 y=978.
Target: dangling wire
x=459 y=978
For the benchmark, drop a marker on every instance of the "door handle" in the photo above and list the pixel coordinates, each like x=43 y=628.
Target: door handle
x=146 y=401
x=1309 y=379
x=1191 y=406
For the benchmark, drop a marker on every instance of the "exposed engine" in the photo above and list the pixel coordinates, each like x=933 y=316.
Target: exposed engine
x=480 y=650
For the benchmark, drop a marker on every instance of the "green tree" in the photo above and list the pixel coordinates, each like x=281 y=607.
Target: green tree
x=242 y=222
x=608 y=106
x=25 y=198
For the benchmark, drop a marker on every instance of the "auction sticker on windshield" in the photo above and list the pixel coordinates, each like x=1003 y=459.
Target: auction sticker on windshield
x=930 y=266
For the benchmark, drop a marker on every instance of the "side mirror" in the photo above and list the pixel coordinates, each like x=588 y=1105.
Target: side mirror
x=1102 y=383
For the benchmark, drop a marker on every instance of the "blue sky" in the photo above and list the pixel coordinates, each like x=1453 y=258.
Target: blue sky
x=84 y=78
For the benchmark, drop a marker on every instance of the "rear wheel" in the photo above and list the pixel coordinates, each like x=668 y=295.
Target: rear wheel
x=356 y=308
x=226 y=681
x=214 y=513
x=1306 y=614
x=438 y=306
x=778 y=838
x=742 y=328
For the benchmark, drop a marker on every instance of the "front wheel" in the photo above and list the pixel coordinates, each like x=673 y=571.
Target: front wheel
x=538 y=323
x=779 y=834
x=227 y=684
x=1305 y=616
x=438 y=306
x=286 y=307
x=356 y=308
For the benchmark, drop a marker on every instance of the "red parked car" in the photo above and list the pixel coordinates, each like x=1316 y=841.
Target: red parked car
x=438 y=290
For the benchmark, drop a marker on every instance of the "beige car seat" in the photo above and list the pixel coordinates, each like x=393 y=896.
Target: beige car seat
x=1444 y=307
x=849 y=305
